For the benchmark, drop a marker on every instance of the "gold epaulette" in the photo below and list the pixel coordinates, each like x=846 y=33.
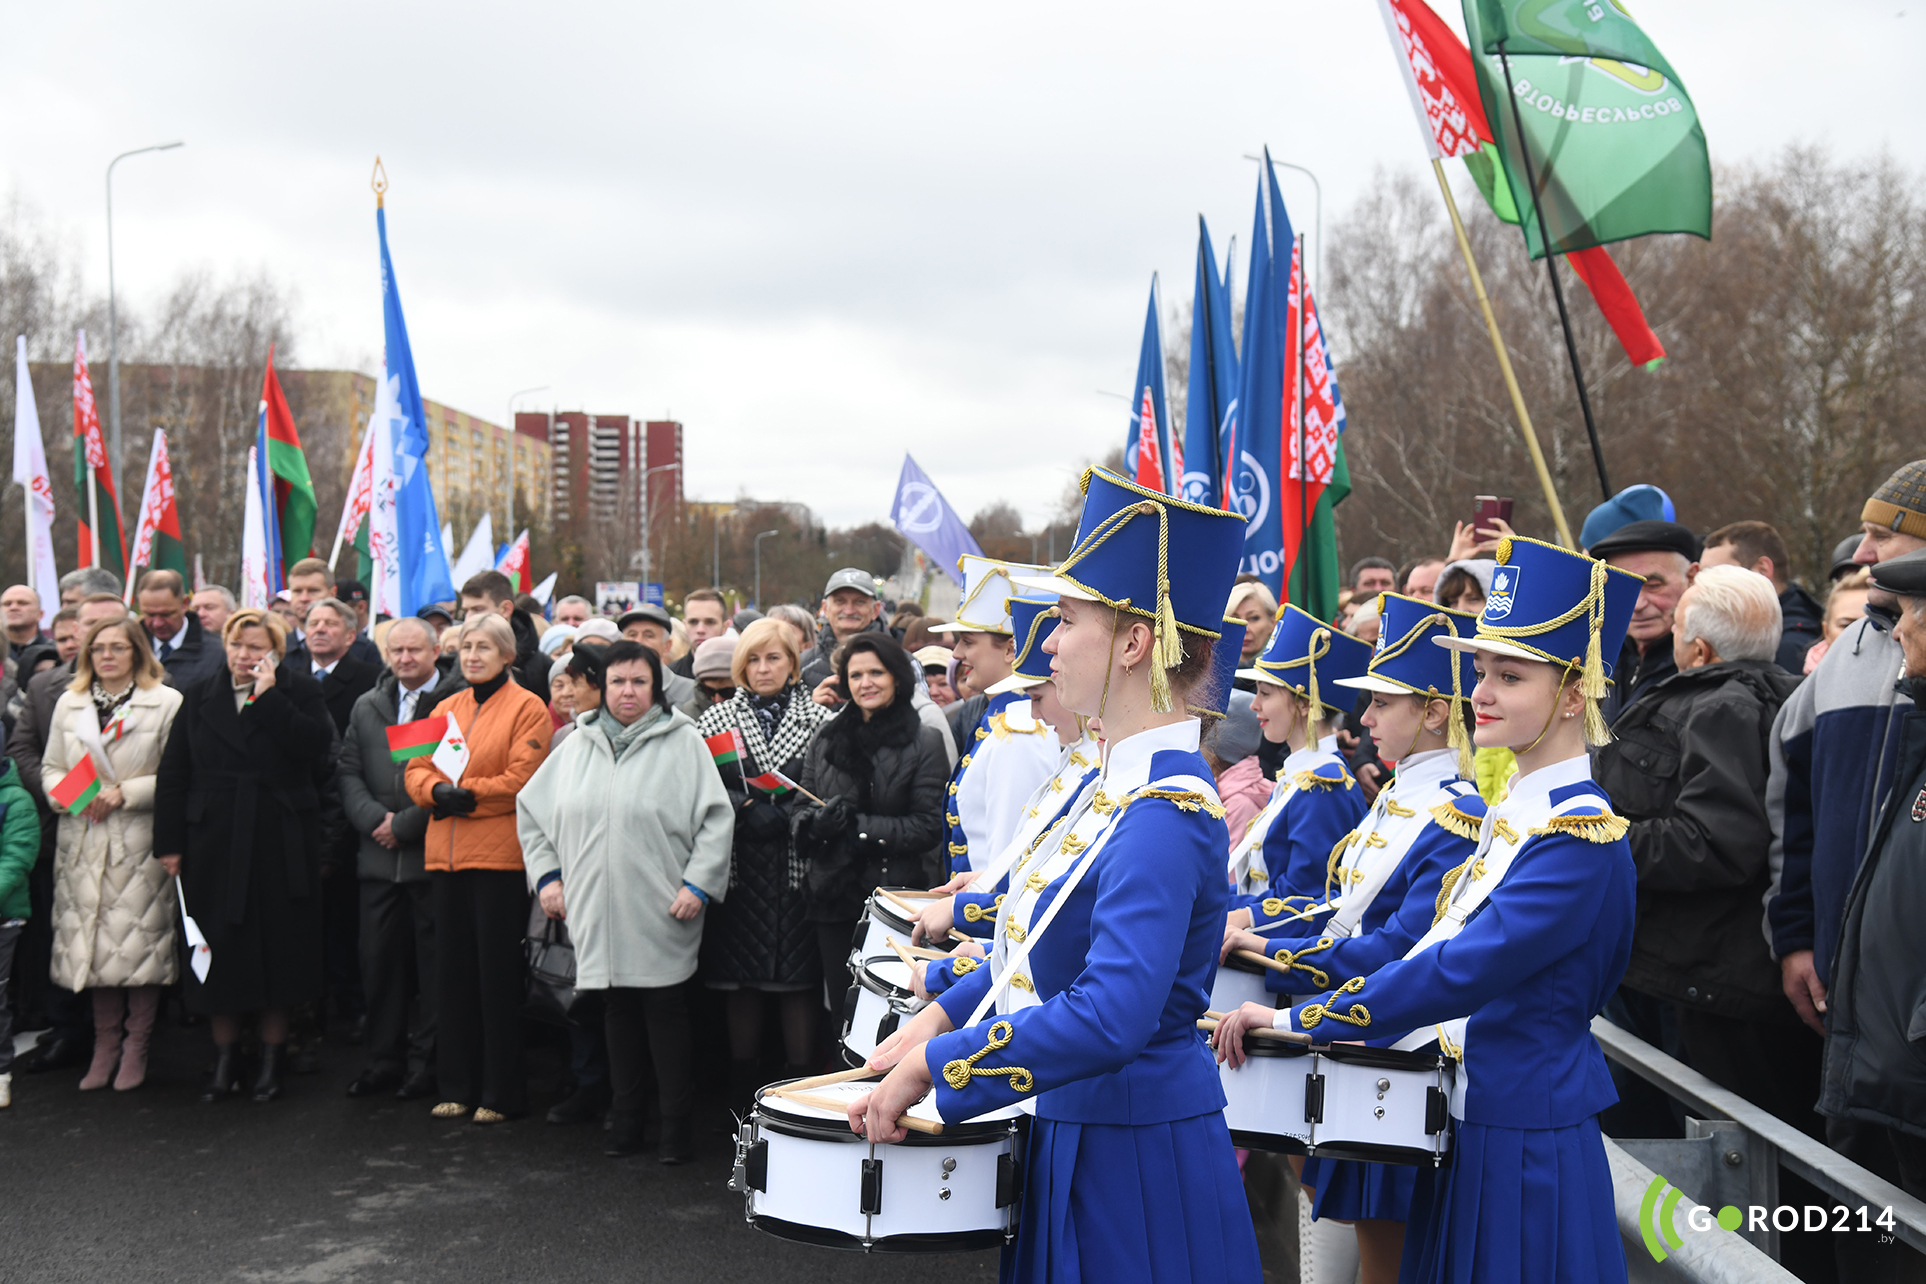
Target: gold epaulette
x=1602 y=828
x=1313 y=1015
x=1463 y=824
x=959 y=1072
x=1311 y=780
x=1187 y=799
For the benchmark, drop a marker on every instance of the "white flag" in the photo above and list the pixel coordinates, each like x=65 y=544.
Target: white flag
x=384 y=535
x=478 y=554
x=254 y=550
x=200 y=956
x=30 y=470
x=154 y=496
x=360 y=491
x=451 y=755
x=546 y=589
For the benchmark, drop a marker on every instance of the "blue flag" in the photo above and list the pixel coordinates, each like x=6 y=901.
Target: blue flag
x=423 y=560
x=925 y=519
x=263 y=482
x=1255 y=458
x=1149 y=459
x=1210 y=407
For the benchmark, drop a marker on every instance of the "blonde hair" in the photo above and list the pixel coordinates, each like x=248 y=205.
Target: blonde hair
x=253 y=617
x=494 y=628
x=754 y=638
x=148 y=671
x=1252 y=588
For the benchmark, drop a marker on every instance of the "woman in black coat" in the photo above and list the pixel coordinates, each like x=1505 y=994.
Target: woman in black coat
x=880 y=773
x=759 y=940
x=236 y=817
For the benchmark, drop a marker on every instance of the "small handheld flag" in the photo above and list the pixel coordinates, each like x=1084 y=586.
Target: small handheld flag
x=451 y=754
x=78 y=787
x=725 y=746
x=416 y=739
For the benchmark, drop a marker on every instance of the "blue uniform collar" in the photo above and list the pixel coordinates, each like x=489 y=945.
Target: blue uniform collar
x=1307 y=758
x=1127 y=765
x=1423 y=772
x=1536 y=789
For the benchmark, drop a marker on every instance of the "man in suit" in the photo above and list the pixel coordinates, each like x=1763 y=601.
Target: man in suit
x=344 y=679
x=180 y=644
x=310 y=582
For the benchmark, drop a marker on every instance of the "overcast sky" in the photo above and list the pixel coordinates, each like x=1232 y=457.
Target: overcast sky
x=818 y=235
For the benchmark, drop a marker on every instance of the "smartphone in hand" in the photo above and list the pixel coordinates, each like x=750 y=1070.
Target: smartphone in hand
x=1487 y=511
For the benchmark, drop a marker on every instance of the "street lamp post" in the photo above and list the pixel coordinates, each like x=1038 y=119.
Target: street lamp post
x=513 y=397
x=759 y=539
x=113 y=320
x=646 y=526
x=1318 y=215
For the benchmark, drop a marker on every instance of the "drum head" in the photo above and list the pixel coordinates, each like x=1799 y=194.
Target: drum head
x=820 y=1123
x=886 y=911
x=889 y=976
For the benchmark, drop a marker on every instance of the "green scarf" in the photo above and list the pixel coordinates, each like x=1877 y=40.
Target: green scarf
x=622 y=738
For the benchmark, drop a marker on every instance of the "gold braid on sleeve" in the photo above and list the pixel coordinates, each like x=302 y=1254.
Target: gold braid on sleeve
x=959 y=1072
x=1293 y=960
x=1315 y=1013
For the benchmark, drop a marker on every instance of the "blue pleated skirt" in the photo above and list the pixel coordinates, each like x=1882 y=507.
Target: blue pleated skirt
x=1113 y=1203
x=1515 y=1206
x=1350 y=1191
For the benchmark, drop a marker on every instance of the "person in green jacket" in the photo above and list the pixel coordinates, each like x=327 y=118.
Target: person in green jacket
x=19 y=847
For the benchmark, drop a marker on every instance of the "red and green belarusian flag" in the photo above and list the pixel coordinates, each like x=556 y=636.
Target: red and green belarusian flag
x=416 y=739
x=77 y=788
x=288 y=465
x=157 y=532
x=726 y=747
x=101 y=541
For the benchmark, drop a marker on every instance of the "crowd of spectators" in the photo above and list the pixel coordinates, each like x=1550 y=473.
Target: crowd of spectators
x=616 y=794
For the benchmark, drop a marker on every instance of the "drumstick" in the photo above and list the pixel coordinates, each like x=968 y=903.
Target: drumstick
x=1263 y=1032
x=904 y=894
x=913 y=954
x=910 y=1122
x=827 y=1080
x=900 y=902
x=1252 y=956
x=962 y=938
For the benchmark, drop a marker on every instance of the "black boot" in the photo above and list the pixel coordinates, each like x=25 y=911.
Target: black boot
x=678 y=1141
x=627 y=1134
x=226 y=1079
x=267 y=1085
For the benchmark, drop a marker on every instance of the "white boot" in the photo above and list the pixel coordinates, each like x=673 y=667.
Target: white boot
x=1327 y=1250
x=6 y=1091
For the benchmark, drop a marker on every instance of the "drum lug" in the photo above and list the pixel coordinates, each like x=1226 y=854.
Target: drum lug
x=849 y=1004
x=872 y=1193
x=1314 y=1098
x=1009 y=1180
x=1435 y=1112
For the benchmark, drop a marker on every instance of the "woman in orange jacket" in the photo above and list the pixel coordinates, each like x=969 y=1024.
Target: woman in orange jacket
x=475 y=865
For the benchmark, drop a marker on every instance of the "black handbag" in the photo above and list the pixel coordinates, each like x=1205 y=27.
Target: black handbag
x=552 y=996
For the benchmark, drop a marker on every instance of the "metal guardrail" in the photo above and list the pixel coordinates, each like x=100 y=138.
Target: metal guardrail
x=1709 y=1256
x=1739 y=1151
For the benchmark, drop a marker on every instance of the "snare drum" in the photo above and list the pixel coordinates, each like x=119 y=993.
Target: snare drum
x=882 y=918
x=876 y=1004
x=1240 y=981
x=1380 y=1104
x=806 y=1177
x=1265 y=1096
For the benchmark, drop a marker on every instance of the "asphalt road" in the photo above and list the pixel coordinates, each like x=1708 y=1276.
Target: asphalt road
x=316 y=1188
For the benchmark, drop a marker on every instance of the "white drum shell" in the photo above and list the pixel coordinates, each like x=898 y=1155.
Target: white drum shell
x=1265 y=1102
x=874 y=1006
x=1235 y=987
x=1387 y=1123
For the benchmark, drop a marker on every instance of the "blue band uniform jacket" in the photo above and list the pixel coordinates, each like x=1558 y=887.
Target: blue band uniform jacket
x=1009 y=755
x=1280 y=861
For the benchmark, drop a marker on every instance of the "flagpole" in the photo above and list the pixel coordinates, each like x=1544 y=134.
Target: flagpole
x=93 y=515
x=1551 y=266
x=1504 y=361
x=1297 y=409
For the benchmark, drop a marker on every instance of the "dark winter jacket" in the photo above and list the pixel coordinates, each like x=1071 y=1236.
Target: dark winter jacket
x=238 y=798
x=1835 y=748
x=1804 y=624
x=761 y=934
x=531 y=666
x=371 y=783
x=1876 y=1009
x=884 y=781
x=1636 y=673
x=195 y=655
x=1687 y=766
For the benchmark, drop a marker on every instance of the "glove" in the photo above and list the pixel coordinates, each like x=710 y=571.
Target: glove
x=451 y=800
x=761 y=819
x=835 y=818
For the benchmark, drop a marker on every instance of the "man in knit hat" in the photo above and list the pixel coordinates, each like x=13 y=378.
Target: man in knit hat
x=1834 y=746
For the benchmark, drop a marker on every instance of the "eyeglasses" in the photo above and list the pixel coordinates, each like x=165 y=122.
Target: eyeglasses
x=100 y=652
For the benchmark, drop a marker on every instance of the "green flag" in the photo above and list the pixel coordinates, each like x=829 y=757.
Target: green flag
x=1611 y=136
x=1320 y=555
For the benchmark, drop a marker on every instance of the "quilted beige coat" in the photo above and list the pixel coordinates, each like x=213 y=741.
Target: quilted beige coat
x=114 y=906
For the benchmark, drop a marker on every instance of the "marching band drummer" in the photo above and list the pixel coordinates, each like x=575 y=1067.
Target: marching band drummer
x=1423 y=824
x=1010 y=753
x=972 y=909
x=1534 y=933
x=1278 y=865
x=1105 y=950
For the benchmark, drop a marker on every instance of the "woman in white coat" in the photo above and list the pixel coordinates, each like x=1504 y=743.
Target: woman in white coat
x=113 y=910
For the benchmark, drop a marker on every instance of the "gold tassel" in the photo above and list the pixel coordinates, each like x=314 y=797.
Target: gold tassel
x=1453 y=821
x=1460 y=740
x=1606 y=828
x=1596 y=732
x=1166 y=654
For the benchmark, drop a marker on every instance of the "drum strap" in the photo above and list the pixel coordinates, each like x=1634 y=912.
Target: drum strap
x=1010 y=970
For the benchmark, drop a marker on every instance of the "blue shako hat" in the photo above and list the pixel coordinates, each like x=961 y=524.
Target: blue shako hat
x=1307 y=655
x=1402 y=663
x=1032 y=620
x=1212 y=698
x=1154 y=556
x=1550 y=604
